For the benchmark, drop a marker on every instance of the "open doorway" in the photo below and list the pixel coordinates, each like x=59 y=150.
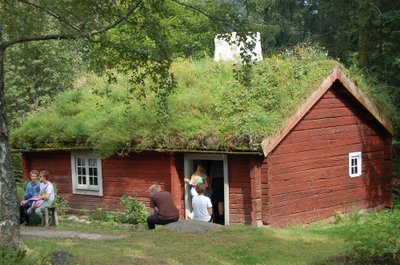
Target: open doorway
x=217 y=179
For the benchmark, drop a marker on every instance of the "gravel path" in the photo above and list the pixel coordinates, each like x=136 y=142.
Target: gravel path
x=52 y=233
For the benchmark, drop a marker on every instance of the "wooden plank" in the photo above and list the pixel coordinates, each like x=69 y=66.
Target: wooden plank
x=326 y=123
x=318 y=113
x=321 y=145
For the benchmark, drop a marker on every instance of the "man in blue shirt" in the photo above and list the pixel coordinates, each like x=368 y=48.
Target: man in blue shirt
x=32 y=190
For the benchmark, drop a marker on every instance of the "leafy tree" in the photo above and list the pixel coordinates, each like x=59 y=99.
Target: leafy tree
x=137 y=36
x=35 y=73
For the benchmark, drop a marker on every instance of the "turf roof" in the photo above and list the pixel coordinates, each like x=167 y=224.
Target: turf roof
x=210 y=109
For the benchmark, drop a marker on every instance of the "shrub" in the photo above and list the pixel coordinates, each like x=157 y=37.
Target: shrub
x=60 y=202
x=21 y=186
x=135 y=213
x=102 y=214
x=376 y=238
x=338 y=217
x=11 y=256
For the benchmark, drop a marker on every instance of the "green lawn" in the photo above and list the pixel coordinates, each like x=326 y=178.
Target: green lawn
x=235 y=245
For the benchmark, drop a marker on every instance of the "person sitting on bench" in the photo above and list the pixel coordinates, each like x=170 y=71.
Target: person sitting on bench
x=32 y=191
x=46 y=193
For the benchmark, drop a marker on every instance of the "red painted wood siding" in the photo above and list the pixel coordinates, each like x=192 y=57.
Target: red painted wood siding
x=305 y=178
x=239 y=189
x=131 y=175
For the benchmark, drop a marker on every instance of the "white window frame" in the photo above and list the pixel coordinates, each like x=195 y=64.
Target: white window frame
x=87 y=189
x=355 y=164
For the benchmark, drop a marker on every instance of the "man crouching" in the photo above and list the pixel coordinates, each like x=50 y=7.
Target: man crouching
x=162 y=207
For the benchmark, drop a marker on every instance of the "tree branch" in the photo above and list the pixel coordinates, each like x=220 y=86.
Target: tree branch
x=53 y=14
x=116 y=22
x=198 y=10
x=38 y=38
x=88 y=34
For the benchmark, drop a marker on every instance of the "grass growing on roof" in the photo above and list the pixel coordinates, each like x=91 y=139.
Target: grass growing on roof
x=209 y=108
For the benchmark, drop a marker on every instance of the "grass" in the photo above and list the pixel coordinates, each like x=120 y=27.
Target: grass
x=208 y=109
x=234 y=245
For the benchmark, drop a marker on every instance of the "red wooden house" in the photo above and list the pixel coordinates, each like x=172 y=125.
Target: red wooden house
x=333 y=154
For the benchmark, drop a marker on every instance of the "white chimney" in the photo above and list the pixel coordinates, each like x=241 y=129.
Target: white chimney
x=231 y=52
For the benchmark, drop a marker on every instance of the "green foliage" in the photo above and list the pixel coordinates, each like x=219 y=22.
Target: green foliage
x=359 y=33
x=376 y=237
x=60 y=202
x=102 y=214
x=136 y=211
x=339 y=217
x=11 y=256
x=21 y=186
x=49 y=73
x=210 y=108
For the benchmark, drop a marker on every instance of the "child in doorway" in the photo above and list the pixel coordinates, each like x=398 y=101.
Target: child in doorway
x=199 y=176
x=202 y=207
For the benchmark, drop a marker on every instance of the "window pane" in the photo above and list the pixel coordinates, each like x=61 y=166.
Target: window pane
x=92 y=162
x=79 y=180
x=82 y=171
x=91 y=180
x=83 y=180
x=95 y=182
x=81 y=161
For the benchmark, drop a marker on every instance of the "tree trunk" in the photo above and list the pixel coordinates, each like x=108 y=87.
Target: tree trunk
x=9 y=221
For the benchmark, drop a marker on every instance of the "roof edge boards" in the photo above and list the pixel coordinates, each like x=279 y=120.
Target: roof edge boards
x=369 y=104
x=269 y=143
x=236 y=152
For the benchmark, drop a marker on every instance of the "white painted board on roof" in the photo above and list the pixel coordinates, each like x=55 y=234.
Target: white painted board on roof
x=224 y=51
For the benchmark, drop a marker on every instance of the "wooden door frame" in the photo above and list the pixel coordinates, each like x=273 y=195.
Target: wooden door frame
x=188 y=163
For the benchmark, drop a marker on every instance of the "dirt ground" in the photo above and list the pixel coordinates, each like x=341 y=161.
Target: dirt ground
x=184 y=226
x=38 y=231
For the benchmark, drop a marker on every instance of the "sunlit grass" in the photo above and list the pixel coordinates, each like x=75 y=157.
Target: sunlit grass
x=234 y=245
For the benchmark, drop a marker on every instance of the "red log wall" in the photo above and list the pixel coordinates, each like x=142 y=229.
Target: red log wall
x=239 y=189
x=131 y=175
x=305 y=178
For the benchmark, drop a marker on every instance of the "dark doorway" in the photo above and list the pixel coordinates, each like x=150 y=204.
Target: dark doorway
x=215 y=182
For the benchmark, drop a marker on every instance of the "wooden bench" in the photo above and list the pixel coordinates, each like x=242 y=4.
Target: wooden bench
x=54 y=215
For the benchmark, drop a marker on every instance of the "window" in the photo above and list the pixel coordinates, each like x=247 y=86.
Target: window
x=86 y=174
x=355 y=164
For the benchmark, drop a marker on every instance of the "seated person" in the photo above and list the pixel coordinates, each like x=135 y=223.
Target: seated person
x=46 y=193
x=32 y=190
x=162 y=207
x=202 y=207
